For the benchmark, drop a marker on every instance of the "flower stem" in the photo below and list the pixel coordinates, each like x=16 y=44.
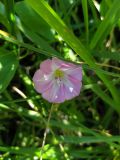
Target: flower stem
x=46 y=131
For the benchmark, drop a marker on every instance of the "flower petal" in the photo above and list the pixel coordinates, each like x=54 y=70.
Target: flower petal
x=72 y=89
x=75 y=73
x=38 y=75
x=57 y=63
x=60 y=96
x=55 y=94
x=41 y=81
x=51 y=93
x=46 y=66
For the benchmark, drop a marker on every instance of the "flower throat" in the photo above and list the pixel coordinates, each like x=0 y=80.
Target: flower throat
x=58 y=74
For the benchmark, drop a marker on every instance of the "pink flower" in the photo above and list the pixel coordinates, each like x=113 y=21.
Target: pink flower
x=57 y=80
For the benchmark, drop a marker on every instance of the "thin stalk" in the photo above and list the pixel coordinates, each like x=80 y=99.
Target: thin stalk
x=46 y=131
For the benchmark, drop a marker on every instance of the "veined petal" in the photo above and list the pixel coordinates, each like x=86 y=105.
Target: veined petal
x=51 y=93
x=72 y=88
x=75 y=73
x=57 y=63
x=60 y=96
x=42 y=81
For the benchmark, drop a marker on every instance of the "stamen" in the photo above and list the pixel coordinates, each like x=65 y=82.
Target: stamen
x=58 y=74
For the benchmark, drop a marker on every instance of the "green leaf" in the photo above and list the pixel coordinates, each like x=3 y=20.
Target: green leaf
x=18 y=150
x=3 y=18
x=104 y=6
x=34 y=27
x=88 y=139
x=73 y=127
x=8 y=66
x=39 y=41
x=49 y=151
x=107 y=55
x=33 y=21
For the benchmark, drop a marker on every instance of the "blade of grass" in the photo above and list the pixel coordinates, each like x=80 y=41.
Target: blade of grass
x=85 y=13
x=94 y=11
x=68 y=12
x=89 y=139
x=107 y=55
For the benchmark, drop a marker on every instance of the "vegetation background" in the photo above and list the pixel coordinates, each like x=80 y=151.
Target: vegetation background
x=79 y=31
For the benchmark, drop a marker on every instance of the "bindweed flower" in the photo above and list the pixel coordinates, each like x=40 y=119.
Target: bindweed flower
x=57 y=80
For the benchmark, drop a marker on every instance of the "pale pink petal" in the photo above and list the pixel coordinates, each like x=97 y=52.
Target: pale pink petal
x=43 y=86
x=51 y=93
x=75 y=73
x=57 y=63
x=38 y=75
x=46 y=66
x=55 y=94
x=60 y=94
x=72 y=89
x=76 y=85
x=41 y=81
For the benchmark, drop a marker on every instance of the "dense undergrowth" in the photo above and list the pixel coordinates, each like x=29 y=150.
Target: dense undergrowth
x=79 y=31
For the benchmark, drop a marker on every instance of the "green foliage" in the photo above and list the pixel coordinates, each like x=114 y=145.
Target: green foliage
x=52 y=18
x=8 y=66
x=80 y=31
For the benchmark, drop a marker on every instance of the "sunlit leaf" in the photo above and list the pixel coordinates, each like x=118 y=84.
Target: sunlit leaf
x=8 y=66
